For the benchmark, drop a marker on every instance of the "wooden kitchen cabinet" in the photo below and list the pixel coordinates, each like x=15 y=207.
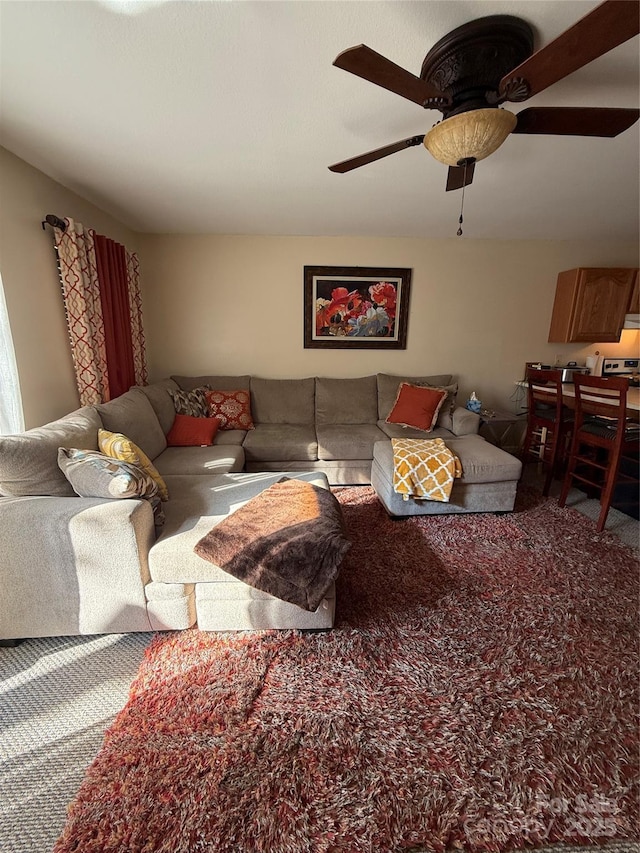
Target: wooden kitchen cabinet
x=590 y=304
x=634 y=304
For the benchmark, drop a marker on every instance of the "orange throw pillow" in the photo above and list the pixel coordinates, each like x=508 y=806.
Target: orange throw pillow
x=231 y=408
x=416 y=406
x=188 y=431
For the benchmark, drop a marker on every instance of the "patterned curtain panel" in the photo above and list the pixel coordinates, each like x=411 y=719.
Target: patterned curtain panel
x=135 y=311
x=101 y=290
x=81 y=293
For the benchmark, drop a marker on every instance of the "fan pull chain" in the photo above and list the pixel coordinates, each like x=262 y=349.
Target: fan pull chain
x=464 y=184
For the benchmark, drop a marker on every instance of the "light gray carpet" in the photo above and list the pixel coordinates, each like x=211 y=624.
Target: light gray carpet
x=58 y=695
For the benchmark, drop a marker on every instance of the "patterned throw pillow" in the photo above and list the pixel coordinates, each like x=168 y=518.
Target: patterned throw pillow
x=118 y=446
x=417 y=406
x=232 y=408
x=193 y=403
x=92 y=474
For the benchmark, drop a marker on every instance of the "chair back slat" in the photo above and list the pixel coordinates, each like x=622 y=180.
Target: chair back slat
x=603 y=396
x=544 y=390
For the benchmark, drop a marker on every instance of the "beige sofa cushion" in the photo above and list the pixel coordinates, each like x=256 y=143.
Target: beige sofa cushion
x=347 y=401
x=196 y=505
x=281 y=443
x=352 y=441
x=399 y=431
x=132 y=415
x=29 y=461
x=230 y=436
x=483 y=462
x=289 y=541
x=200 y=460
x=283 y=401
x=161 y=402
x=90 y=577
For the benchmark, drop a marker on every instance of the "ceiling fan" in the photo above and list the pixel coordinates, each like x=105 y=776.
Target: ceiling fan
x=474 y=69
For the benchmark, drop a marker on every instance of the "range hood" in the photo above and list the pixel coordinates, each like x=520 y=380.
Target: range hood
x=631 y=321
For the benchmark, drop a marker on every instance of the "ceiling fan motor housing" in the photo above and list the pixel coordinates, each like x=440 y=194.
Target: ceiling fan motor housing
x=472 y=70
x=469 y=62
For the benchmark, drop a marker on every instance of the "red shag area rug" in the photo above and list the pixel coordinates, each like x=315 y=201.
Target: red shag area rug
x=478 y=693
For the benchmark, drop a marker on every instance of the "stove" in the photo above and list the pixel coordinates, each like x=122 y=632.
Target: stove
x=629 y=367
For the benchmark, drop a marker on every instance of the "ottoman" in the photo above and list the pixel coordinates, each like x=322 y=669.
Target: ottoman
x=488 y=484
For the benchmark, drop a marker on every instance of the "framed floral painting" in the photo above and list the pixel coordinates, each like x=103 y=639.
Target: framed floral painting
x=356 y=307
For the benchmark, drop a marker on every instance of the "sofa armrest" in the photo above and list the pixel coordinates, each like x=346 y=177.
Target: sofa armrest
x=72 y=566
x=464 y=422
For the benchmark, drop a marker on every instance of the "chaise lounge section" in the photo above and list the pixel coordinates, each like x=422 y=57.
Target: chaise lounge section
x=489 y=482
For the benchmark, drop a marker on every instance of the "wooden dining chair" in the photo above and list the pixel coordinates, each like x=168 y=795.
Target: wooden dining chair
x=603 y=436
x=549 y=422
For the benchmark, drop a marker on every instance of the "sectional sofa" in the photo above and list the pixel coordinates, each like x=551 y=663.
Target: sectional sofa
x=83 y=565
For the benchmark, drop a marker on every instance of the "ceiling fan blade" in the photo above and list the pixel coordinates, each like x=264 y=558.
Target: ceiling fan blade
x=378 y=154
x=366 y=63
x=575 y=121
x=608 y=25
x=456 y=176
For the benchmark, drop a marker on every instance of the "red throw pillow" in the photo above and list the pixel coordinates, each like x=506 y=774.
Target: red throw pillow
x=417 y=406
x=231 y=408
x=188 y=431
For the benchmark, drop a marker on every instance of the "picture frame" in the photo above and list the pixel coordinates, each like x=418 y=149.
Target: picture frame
x=356 y=307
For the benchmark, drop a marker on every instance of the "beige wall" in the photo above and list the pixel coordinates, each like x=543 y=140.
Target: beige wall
x=235 y=304
x=479 y=309
x=31 y=284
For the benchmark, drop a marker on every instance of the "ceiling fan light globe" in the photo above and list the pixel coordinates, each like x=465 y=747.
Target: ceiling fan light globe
x=471 y=135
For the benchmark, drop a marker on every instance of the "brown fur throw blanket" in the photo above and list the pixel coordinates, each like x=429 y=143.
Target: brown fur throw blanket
x=288 y=541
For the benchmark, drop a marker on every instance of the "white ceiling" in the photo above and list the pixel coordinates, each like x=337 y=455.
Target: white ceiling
x=198 y=117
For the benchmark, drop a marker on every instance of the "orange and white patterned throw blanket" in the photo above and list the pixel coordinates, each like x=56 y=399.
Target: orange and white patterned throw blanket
x=424 y=468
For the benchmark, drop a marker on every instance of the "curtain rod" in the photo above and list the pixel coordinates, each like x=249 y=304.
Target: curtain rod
x=54 y=221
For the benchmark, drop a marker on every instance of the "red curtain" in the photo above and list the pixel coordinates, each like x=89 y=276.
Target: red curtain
x=100 y=283
x=111 y=263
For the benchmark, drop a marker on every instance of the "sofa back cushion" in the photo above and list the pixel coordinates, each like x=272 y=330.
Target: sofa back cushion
x=389 y=385
x=283 y=401
x=161 y=402
x=347 y=401
x=132 y=415
x=217 y=383
x=29 y=461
